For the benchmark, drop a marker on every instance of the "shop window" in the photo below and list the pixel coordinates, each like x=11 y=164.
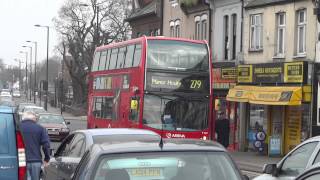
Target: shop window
x=258 y=122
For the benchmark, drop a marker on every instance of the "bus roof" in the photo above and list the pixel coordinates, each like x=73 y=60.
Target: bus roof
x=143 y=38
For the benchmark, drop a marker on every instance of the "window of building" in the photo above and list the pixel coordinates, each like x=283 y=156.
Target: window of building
x=281 y=29
x=301 y=31
x=171 y=29
x=197 y=27
x=204 y=27
x=177 y=28
x=226 y=37
x=234 y=36
x=256 y=32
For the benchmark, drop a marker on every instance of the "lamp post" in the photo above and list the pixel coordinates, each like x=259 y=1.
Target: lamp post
x=19 y=61
x=35 y=70
x=47 y=78
x=30 y=79
x=26 y=85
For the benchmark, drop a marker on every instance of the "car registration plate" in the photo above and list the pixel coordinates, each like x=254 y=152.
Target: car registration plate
x=53 y=132
x=144 y=172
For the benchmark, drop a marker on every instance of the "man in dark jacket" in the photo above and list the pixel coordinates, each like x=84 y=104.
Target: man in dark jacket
x=223 y=129
x=34 y=136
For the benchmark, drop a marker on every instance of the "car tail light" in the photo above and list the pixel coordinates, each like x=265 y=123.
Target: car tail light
x=21 y=156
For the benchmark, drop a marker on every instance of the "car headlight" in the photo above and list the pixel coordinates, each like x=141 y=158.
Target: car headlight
x=65 y=130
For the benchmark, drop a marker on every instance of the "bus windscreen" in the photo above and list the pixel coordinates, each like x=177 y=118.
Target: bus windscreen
x=177 y=56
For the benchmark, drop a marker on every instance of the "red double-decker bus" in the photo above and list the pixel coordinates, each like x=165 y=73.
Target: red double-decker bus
x=157 y=83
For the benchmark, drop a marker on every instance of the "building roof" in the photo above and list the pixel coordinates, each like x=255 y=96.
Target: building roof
x=145 y=11
x=259 y=3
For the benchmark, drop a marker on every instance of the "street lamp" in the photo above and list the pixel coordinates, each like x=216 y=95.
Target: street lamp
x=47 y=78
x=26 y=86
x=30 y=79
x=35 y=70
x=19 y=61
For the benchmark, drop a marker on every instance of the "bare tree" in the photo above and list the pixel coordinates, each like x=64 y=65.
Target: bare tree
x=83 y=27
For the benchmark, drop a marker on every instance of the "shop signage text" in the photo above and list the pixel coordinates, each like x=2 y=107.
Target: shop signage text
x=272 y=73
x=224 y=77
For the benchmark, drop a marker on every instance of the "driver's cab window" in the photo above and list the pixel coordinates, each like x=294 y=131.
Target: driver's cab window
x=296 y=162
x=65 y=147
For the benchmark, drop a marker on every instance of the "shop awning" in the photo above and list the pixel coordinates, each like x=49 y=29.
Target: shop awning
x=267 y=95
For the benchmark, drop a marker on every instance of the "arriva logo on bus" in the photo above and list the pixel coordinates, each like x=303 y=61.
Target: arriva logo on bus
x=170 y=135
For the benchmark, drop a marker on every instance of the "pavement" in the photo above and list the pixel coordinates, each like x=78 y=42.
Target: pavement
x=252 y=161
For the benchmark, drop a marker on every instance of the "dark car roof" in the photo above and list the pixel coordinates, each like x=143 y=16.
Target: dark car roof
x=169 y=145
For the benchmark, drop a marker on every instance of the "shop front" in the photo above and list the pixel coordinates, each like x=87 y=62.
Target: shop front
x=224 y=78
x=277 y=110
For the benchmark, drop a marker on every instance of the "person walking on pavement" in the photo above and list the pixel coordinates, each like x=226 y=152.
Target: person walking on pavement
x=35 y=137
x=223 y=129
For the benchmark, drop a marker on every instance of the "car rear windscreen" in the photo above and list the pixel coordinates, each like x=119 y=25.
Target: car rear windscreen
x=99 y=139
x=167 y=166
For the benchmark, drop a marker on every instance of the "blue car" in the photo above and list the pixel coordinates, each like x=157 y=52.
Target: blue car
x=12 y=149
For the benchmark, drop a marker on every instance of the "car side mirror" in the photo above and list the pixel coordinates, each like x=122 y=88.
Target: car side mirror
x=245 y=177
x=68 y=123
x=270 y=169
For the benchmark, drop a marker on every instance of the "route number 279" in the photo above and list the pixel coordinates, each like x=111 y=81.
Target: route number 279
x=196 y=84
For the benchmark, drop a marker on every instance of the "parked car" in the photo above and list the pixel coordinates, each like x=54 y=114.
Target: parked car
x=295 y=162
x=16 y=94
x=313 y=173
x=63 y=164
x=12 y=149
x=5 y=97
x=5 y=92
x=176 y=159
x=55 y=124
x=22 y=105
x=36 y=109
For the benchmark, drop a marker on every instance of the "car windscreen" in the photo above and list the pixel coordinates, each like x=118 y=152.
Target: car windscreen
x=52 y=119
x=35 y=110
x=167 y=166
x=99 y=139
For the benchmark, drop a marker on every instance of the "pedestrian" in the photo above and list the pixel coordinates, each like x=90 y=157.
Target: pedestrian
x=223 y=129
x=35 y=137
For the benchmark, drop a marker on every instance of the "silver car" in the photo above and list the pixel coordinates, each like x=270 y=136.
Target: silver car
x=294 y=163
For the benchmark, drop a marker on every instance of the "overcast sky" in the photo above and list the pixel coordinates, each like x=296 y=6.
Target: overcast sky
x=17 y=20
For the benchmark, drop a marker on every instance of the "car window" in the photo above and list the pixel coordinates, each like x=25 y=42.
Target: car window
x=317 y=159
x=297 y=161
x=313 y=177
x=63 y=149
x=81 y=166
x=167 y=166
x=77 y=146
